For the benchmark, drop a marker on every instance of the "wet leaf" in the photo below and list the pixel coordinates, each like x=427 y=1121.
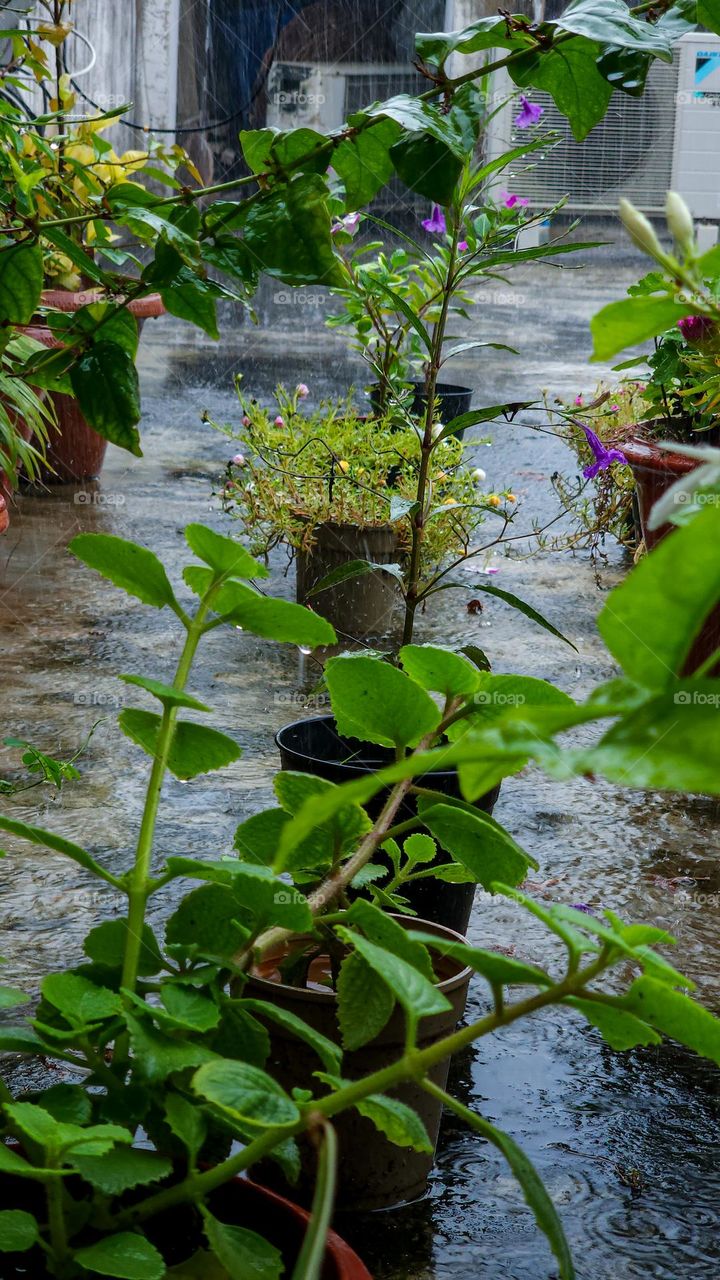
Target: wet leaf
x=18 y=1231
x=374 y=701
x=127 y=564
x=245 y=1094
x=246 y=1255
x=127 y=1256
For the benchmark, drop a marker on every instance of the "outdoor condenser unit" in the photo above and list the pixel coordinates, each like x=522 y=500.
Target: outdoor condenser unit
x=668 y=138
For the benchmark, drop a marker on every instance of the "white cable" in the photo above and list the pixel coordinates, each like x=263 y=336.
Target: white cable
x=93 y=60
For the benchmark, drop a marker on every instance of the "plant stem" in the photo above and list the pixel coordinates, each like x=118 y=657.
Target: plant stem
x=312 y=1255
x=56 y=1223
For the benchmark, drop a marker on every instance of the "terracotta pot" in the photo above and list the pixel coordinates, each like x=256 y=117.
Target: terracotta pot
x=654 y=471
x=373 y=1173
x=239 y=1203
x=76 y=453
x=369 y=607
x=4 y=517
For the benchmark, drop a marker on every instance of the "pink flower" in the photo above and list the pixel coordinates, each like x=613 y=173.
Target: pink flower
x=578 y=400
x=696 y=329
x=462 y=246
x=510 y=200
x=492 y=569
x=348 y=223
x=239 y=460
x=279 y=421
x=302 y=391
x=614 y=408
x=246 y=420
x=530 y=113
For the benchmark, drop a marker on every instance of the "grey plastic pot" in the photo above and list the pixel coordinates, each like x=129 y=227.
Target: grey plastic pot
x=368 y=607
x=373 y=1172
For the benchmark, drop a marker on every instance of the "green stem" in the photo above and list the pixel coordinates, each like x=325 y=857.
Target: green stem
x=56 y=1223
x=312 y=1255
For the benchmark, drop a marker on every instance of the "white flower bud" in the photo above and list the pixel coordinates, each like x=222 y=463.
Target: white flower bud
x=639 y=229
x=479 y=475
x=680 y=222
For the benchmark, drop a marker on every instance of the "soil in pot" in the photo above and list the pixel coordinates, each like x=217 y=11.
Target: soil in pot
x=178 y=1233
x=450 y=401
x=313 y=745
x=655 y=471
x=373 y=1173
x=364 y=608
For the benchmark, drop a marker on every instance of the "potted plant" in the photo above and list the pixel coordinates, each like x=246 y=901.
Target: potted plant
x=166 y=1041
x=26 y=421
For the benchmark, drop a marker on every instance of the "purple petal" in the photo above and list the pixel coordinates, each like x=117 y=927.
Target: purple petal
x=591 y=471
x=530 y=113
x=594 y=441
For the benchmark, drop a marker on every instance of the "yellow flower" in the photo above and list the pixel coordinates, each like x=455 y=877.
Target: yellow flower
x=494 y=500
x=511 y=497
x=344 y=466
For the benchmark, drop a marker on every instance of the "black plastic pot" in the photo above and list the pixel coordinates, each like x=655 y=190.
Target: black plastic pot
x=365 y=608
x=450 y=401
x=314 y=746
x=373 y=1173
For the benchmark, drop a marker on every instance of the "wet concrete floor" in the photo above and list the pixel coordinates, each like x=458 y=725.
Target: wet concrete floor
x=626 y=1143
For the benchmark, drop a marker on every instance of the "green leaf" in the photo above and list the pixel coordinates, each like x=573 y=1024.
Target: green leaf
x=114 y=323
x=619 y=1029
x=257 y=890
x=189 y=298
x=440 y=669
x=570 y=75
x=190 y=1009
x=10 y=997
x=202 y=1266
x=256 y=839
x=675 y=1014
x=418 y=996
x=364 y=1002
x=246 y=1255
x=353 y=569
x=105 y=382
x=195 y=748
x=400 y=1124
x=486 y=33
x=475 y=416
x=68 y=1103
x=122 y=1169
x=207 y=919
x=127 y=564
x=158 y=1056
x=37 y=835
x=678 y=582
x=500 y=971
x=334 y=838
x=225 y=556
x=479 y=843
x=427 y=165
x=363 y=163
x=165 y=693
x=20 y=1040
x=411 y=316
x=610 y=22
x=631 y=321
x=21 y=282
x=245 y=1094
x=127 y=1256
x=419 y=848
x=106 y=943
x=279 y=620
x=516 y=603
x=288 y=234
x=373 y=701
x=328 y=1053
x=18 y=1231
x=79 y=1001
x=381 y=929
x=187 y=1123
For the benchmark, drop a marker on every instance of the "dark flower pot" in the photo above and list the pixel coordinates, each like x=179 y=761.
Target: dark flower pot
x=75 y=452
x=4 y=517
x=368 y=607
x=314 y=746
x=178 y=1235
x=450 y=401
x=373 y=1173
x=654 y=471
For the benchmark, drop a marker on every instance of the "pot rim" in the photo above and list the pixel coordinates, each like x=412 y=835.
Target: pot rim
x=73 y=299
x=328 y=998
x=351 y=769
x=643 y=454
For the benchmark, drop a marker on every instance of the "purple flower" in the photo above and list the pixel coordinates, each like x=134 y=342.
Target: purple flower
x=530 y=113
x=462 y=246
x=436 y=225
x=348 y=223
x=582 y=906
x=603 y=457
x=696 y=329
x=302 y=391
x=579 y=399
x=510 y=200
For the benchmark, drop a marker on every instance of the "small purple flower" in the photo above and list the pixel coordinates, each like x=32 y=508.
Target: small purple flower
x=302 y=391
x=348 y=223
x=462 y=246
x=509 y=199
x=239 y=460
x=436 y=225
x=578 y=400
x=582 y=906
x=279 y=421
x=530 y=113
x=603 y=457
x=696 y=329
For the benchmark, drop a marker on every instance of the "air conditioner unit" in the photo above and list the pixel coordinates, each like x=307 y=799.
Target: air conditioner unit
x=668 y=138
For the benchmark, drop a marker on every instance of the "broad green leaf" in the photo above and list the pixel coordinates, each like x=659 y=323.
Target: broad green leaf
x=201 y=1266
x=419 y=848
x=440 y=670
x=127 y=1256
x=419 y=997
x=10 y=997
x=400 y=1124
x=353 y=569
x=21 y=1040
x=257 y=890
x=631 y=321
x=105 y=381
x=78 y=1000
x=620 y=1029
x=516 y=603
x=18 y=1231
x=364 y=1002
x=112 y=322
x=245 y=1254
x=675 y=1014
x=207 y=919
x=363 y=163
x=189 y=298
x=486 y=33
x=242 y=1036
x=245 y=1094
x=130 y=566
x=340 y=835
x=381 y=929
x=478 y=842
x=499 y=970
x=616 y=935
x=328 y=1053
x=34 y=1123
x=190 y=1008
x=12 y=1163
x=37 y=835
x=288 y=234
x=427 y=165
x=165 y=693
x=274 y=619
x=187 y=1123
x=471 y=419
x=611 y=22
x=256 y=839
x=106 y=943
x=21 y=282
x=678 y=582
x=224 y=555
x=68 y=1103
x=194 y=749
x=570 y=75
x=374 y=701
x=157 y=1055
x=122 y=1169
